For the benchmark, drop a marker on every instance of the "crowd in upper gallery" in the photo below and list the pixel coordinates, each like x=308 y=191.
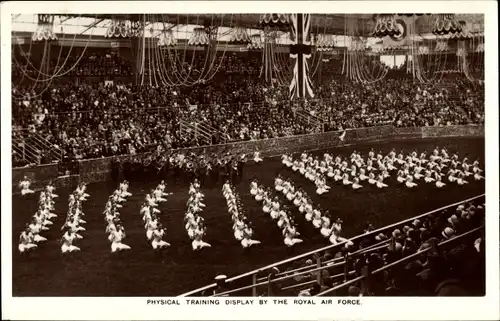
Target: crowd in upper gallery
x=85 y=118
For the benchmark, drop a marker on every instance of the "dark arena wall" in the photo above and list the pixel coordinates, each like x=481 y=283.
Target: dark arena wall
x=99 y=170
x=142 y=272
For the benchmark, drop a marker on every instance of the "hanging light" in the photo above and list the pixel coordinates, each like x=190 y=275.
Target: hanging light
x=44 y=29
x=480 y=47
x=461 y=51
x=423 y=50
x=441 y=46
x=199 y=38
x=239 y=35
x=256 y=42
x=356 y=45
x=167 y=39
x=118 y=29
x=325 y=42
x=377 y=49
x=446 y=24
x=386 y=26
x=275 y=20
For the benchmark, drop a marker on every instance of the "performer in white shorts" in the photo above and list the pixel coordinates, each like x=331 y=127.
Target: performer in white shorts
x=290 y=236
x=26 y=241
x=409 y=182
x=380 y=182
x=247 y=241
x=158 y=242
x=256 y=157
x=24 y=185
x=116 y=241
x=355 y=184
x=67 y=242
x=198 y=243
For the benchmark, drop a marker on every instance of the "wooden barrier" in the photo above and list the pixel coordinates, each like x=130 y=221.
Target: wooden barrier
x=39 y=175
x=100 y=169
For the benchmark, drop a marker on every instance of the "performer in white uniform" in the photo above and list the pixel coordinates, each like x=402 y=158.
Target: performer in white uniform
x=24 y=185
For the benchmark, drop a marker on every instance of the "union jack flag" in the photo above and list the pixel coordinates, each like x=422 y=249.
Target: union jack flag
x=300 y=50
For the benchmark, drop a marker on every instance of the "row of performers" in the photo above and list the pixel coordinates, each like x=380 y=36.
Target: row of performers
x=377 y=168
x=114 y=225
x=329 y=229
x=41 y=221
x=242 y=229
x=211 y=168
x=155 y=232
x=194 y=222
x=73 y=226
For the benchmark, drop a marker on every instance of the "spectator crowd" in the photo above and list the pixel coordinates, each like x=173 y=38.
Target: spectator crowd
x=236 y=104
x=416 y=258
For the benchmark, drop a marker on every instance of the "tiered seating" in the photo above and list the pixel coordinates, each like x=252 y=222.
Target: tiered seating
x=417 y=256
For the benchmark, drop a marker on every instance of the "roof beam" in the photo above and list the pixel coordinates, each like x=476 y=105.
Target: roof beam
x=92 y=25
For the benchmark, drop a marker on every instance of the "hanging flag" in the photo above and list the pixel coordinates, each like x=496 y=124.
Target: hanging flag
x=300 y=51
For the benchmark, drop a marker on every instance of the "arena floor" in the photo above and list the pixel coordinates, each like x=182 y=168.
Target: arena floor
x=140 y=272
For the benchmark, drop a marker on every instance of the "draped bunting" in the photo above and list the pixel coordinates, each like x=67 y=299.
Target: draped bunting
x=239 y=36
x=446 y=24
x=300 y=51
x=199 y=38
x=45 y=28
x=275 y=20
x=117 y=29
x=386 y=26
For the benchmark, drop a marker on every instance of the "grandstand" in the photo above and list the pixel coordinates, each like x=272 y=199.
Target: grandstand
x=148 y=116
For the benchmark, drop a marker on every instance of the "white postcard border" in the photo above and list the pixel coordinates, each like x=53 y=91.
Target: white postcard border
x=126 y=308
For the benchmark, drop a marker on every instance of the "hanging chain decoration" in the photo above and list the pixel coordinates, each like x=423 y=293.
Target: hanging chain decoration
x=45 y=28
x=118 y=29
x=167 y=39
x=480 y=47
x=386 y=26
x=199 y=38
x=446 y=24
x=256 y=42
x=45 y=76
x=239 y=35
x=356 y=45
x=464 y=37
x=358 y=64
x=170 y=65
x=282 y=67
x=270 y=35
